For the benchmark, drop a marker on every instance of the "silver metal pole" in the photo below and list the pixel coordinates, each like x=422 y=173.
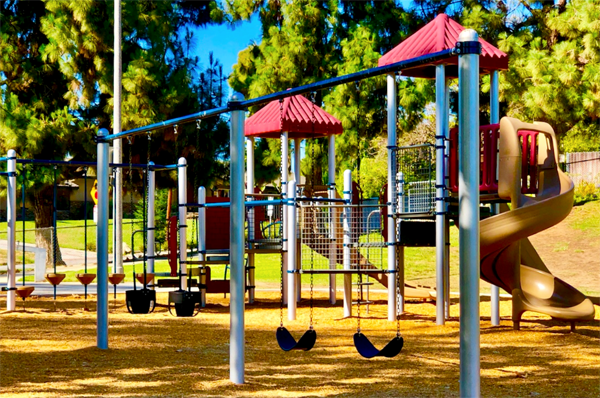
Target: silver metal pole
x=117 y=144
x=447 y=183
x=182 y=199
x=297 y=143
x=495 y=118
x=102 y=244
x=236 y=250
x=391 y=197
x=11 y=223
x=150 y=233
x=292 y=257
x=468 y=203
x=332 y=221
x=347 y=259
x=284 y=191
x=251 y=214
x=202 y=239
x=440 y=204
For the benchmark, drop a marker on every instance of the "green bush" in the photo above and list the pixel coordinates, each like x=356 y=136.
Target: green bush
x=160 y=210
x=586 y=191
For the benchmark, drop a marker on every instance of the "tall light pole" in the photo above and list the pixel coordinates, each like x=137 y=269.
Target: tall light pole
x=117 y=148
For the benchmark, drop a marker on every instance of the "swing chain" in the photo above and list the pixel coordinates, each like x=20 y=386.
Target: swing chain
x=281 y=279
x=358 y=297
x=397 y=297
x=312 y=189
x=281 y=114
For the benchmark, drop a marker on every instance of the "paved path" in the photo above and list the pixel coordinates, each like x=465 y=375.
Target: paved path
x=72 y=257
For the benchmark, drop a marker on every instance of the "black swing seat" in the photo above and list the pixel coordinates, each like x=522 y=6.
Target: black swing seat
x=368 y=350
x=287 y=342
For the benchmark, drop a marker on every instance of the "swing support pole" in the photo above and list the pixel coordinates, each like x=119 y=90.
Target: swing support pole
x=468 y=207
x=292 y=248
x=251 y=214
x=11 y=223
x=102 y=243
x=202 y=240
x=391 y=197
x=286 y=218
x=331 y=195
x=182 y=199
x=150 y=217
x=236 y=245
x=347 y=242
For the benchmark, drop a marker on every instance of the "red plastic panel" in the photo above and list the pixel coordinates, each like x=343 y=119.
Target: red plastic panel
x=217 y=225
x=488 y=144
x=172 y=244
x=529 y=172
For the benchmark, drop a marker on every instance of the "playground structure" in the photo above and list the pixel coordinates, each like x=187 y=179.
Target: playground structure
x=499 y=253
x=53 y=277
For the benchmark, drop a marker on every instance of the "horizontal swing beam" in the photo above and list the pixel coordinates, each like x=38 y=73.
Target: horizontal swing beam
x=253 y=203
x=323 y=84
x=341 y=271
x=93 y=164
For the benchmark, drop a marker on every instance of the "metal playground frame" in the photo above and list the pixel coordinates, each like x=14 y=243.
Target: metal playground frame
x=467 y=49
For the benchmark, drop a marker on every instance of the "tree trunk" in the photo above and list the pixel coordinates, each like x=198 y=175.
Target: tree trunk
x=42 y=209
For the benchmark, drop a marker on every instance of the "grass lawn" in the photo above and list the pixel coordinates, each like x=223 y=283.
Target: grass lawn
x=71 y=233
x=29 y=257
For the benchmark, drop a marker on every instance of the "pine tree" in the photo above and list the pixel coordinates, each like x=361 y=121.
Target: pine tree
x=57 y=84
x=307 y=41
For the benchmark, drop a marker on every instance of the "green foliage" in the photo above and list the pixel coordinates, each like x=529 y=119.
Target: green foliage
x=306 y=41
x=585 y=192
x=160 y=212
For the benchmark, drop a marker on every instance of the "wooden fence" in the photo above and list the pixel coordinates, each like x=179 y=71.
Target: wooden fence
x=584 y=166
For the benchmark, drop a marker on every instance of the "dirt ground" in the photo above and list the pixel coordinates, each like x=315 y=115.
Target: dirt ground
x=53 y=354
x=570 y=253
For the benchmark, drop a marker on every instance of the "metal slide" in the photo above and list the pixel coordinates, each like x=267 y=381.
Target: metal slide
x=508 y=258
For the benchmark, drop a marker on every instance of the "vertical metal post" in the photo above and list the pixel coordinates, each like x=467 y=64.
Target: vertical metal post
x=495 y=118
x=236 y=250
x=440 y=204
x=117 y=144
x=251 y=214
x=285 y=230
x=292 y=256
x=447 y=183
x=391 y=223
x=11 y=223
x=347 y=243
x=102 y=243
x=332 y=220
x=468 y=203
x=182 y=202
x=150 y=227
x=202 y=239
x=297 y=143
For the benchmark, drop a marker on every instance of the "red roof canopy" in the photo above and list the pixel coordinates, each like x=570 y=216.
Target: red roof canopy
x=295 y=117
x=438 y=35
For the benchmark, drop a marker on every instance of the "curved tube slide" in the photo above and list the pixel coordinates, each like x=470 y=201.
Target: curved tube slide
x=508 y=258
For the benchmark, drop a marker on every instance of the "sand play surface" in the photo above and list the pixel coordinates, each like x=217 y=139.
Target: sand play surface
x=53 y=354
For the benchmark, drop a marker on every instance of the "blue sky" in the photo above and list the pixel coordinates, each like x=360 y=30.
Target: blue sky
x=226 y=42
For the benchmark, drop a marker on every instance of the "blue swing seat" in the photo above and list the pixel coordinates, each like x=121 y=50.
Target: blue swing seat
x=368 y=350
x=287 y=342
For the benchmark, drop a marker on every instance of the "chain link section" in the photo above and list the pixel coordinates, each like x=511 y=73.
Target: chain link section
x=312 y=190
x=358 y=298
x=398 y=334
x=131 y=195
x=281 y=279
